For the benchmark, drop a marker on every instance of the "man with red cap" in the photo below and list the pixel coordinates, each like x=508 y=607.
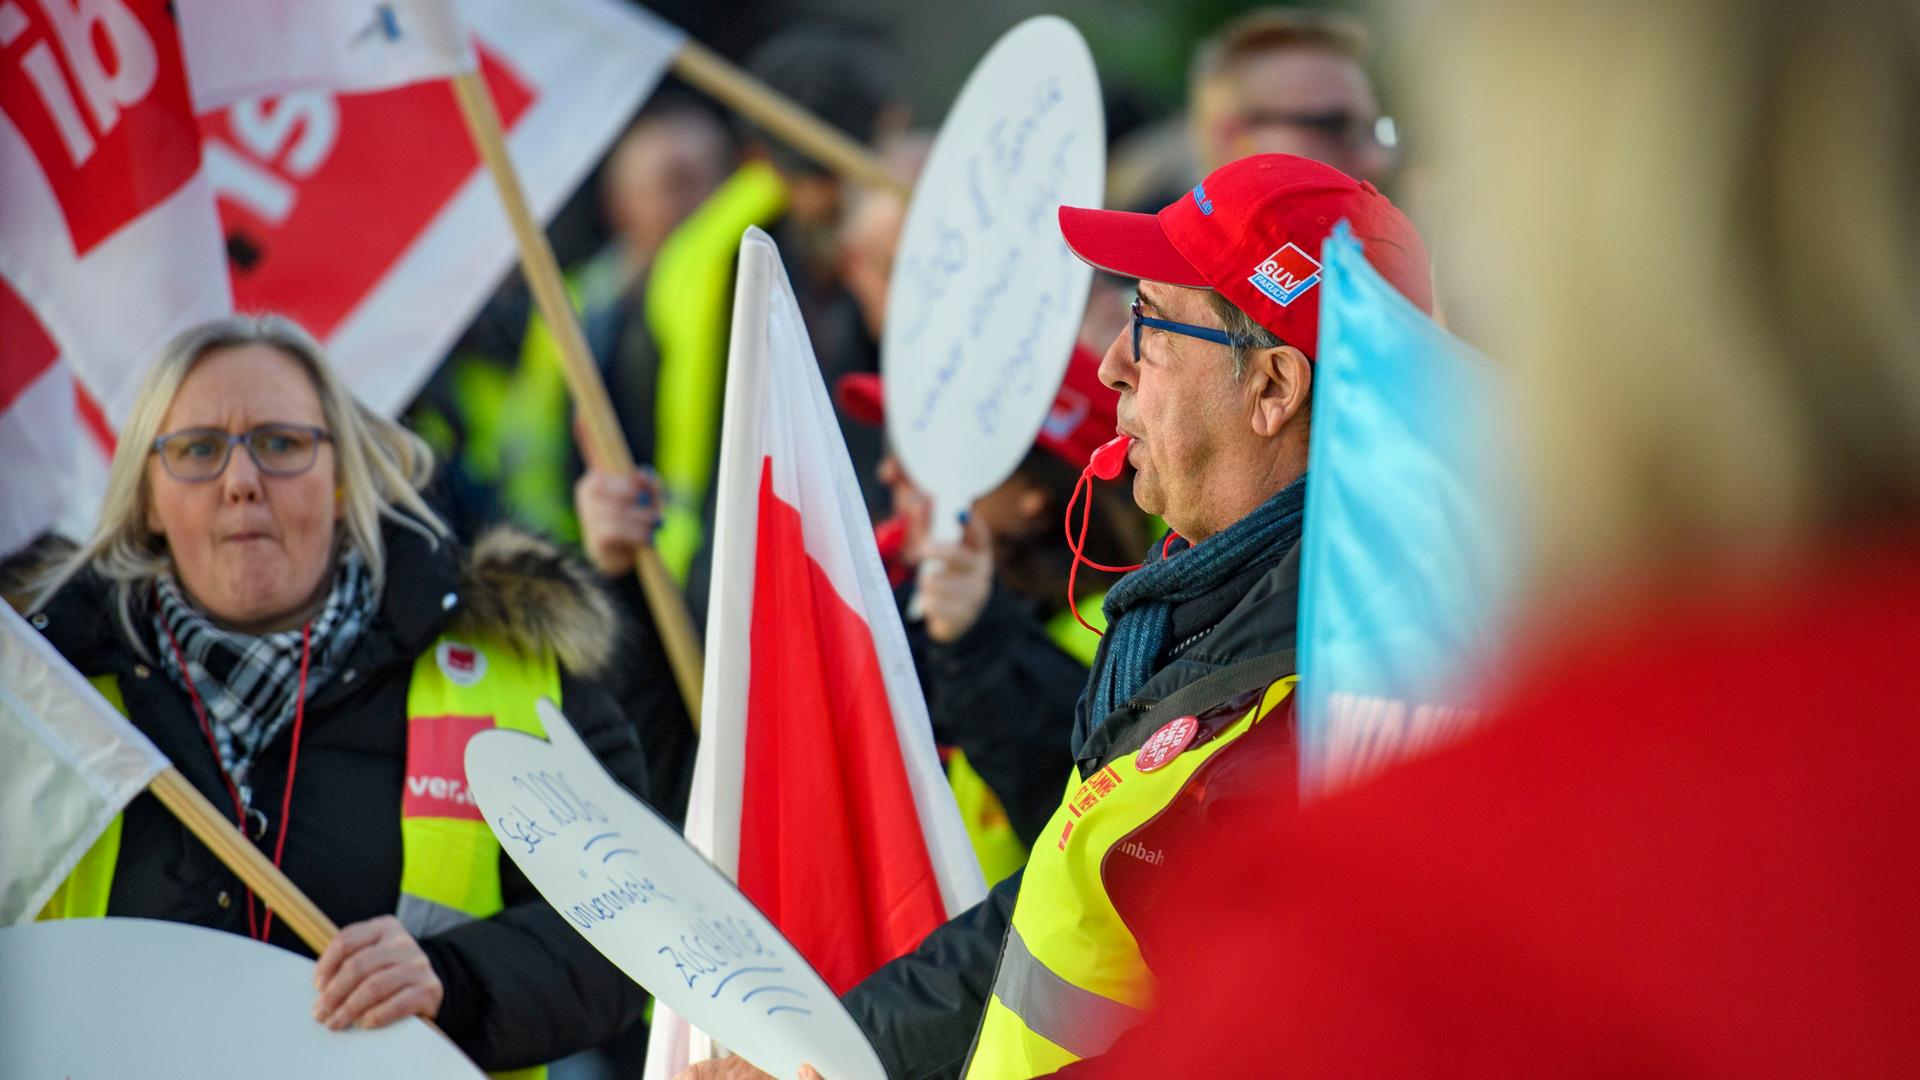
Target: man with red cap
x=1187 y=710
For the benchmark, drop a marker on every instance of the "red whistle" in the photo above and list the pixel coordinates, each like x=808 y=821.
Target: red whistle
x=1106 y=461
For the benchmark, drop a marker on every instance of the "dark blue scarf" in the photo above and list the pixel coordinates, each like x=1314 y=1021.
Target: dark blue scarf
x=1140 y=608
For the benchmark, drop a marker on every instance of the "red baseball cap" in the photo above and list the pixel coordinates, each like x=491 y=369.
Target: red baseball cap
x=1083 y=415
x=1251 y=231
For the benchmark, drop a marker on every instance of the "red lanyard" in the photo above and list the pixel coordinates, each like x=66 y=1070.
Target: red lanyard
x=258 y=929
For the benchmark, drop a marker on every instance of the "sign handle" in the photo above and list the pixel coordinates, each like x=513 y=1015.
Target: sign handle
x=217 y=831
x=664 y=601
x=760 y=103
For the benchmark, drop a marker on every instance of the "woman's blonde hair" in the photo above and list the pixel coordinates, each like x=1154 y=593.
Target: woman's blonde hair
x=380 y=466
x=1692 y=231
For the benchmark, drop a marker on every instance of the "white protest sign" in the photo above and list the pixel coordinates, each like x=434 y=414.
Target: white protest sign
x=631 y=885
x=985 y=298
x=135 y=997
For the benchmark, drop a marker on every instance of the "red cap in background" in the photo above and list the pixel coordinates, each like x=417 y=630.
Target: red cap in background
x=1083 y=415
x=1252 y=232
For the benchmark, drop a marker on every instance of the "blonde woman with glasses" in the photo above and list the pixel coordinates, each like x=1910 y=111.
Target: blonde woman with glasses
x=270 y=600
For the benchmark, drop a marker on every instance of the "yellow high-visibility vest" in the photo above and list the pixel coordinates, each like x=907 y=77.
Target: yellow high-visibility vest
x=689 y=295
x=450 y=861
x=1071 y=979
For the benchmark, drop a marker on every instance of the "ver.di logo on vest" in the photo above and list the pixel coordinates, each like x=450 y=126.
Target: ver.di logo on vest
x=1285 y=274
x=463 y=665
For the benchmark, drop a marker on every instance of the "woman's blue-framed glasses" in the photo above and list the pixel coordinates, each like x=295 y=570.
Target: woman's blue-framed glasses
x=1204 y=333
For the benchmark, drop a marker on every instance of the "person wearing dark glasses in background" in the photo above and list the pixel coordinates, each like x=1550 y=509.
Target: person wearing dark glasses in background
x=1290 y=82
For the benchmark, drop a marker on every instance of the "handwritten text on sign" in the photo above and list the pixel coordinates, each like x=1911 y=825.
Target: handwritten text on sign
x=985 y=298
x=630 y=884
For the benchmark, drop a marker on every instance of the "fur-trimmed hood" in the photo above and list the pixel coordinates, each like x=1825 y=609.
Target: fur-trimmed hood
x=521 y=590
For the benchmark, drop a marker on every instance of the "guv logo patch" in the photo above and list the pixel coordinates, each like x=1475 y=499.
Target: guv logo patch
x=1285 y=274
x=463 y=665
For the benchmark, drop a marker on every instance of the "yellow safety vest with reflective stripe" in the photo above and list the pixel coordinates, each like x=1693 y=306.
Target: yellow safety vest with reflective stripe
x=1071 y=978
x=450 y=861
x=689 y=295
x=995 y=844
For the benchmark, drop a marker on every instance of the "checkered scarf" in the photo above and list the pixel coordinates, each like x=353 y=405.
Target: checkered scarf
x=247 y=682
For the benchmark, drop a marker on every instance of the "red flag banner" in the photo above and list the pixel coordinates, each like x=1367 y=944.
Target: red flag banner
x=108 y=239
x=366 y=216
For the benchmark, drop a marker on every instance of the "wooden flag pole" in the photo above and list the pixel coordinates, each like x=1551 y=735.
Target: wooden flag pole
x=664 y=601
x=760 y=103
x=218 y=832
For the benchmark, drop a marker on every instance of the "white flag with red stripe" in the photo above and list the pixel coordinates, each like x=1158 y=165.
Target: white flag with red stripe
x=816 y=787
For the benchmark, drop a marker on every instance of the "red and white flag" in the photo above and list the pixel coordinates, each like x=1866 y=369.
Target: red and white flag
x=109 y=244
x=366 y=215
x=368 y=218
x=816 y=787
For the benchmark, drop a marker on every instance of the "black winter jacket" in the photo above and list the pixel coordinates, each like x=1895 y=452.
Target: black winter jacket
x=521 y=987
x=1004 y=693
x=921 y=1011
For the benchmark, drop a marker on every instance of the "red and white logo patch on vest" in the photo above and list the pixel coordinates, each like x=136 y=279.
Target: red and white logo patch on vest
x=437 y=767
x=1167 y=743
x=463 y=665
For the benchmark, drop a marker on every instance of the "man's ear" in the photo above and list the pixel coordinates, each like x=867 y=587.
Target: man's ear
x=1278 y=382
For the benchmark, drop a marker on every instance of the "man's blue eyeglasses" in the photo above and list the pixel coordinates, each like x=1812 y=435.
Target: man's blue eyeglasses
x=1204 y=333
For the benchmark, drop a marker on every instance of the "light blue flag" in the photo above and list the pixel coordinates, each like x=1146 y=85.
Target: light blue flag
x=1411 y=554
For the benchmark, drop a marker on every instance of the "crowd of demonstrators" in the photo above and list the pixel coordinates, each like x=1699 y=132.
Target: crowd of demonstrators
x=270 y=601
x=1645 y=862
x=1186 y=711
x=1684 y=844
x=1274 y=80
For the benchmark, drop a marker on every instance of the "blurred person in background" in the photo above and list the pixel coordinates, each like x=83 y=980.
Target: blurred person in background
x=498 y=411
x=1274 y=80
x=847 y=79
x=1686 y=845
x=269 y=600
